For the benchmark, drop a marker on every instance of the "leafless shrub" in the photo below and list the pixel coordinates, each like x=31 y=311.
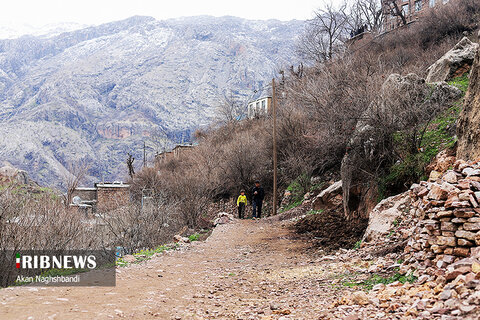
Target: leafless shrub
x=403 y=109
x=144 y=225
x=325 y=105
x=407 y=105
x=179 y=181
x=39 y=221
x=450 y=20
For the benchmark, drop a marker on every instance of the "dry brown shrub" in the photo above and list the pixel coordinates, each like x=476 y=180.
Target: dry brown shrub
x=139 y=226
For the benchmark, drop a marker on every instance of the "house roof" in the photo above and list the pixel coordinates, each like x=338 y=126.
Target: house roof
x=85 y=189
x=112 y=185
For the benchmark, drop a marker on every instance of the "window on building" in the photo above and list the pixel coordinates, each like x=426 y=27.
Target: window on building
x=418 y=5
x=431 y=3
x=405 y=9
x=264 y=108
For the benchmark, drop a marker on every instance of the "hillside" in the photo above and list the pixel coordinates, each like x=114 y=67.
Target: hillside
x=97 y=93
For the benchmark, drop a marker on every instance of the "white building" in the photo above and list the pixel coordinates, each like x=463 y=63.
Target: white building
x=260 y=107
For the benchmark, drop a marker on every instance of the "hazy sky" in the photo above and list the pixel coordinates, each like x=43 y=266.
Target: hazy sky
x=42 y=12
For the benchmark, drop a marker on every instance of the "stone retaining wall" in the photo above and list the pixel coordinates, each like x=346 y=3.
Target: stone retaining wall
x=450 y=228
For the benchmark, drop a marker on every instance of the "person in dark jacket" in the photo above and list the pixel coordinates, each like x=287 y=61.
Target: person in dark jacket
x=257 y=200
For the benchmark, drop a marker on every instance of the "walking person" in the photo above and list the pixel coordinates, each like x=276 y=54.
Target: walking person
x=241 y=204
x=257 y=200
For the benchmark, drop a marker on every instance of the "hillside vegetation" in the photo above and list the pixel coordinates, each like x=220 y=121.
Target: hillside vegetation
x=320 y=104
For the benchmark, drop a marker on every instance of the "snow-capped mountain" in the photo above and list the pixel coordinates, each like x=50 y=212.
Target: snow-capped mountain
x=96 y=93
x=13 y=30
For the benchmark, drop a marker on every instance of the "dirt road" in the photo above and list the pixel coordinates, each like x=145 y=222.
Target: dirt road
x=245 y=270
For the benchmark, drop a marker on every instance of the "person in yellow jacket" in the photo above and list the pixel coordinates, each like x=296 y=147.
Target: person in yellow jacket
x=241 y=204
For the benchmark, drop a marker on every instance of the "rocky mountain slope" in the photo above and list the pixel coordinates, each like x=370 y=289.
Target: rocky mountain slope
x=13 y=30
x=94 y=94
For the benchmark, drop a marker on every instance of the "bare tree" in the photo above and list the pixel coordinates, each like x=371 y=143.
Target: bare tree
x=324 y=35
x=131 y=170
x=231 y=109
x=361 y=13
x=39 y=221
x=391 y=8
x=77 y=172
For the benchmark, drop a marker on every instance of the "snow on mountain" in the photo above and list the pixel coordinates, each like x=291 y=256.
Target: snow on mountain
x=12 y=30
x=94 y=94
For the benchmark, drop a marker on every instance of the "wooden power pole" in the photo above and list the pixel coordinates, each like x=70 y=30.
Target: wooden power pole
x=144 y=155
x=274 y=114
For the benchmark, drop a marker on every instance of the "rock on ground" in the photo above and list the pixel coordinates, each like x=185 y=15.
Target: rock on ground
x=454 y=63
x=330 y=197
x=384 y=215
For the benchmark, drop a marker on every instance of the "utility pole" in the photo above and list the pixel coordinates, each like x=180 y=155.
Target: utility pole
x=274 y=113
x=144 y=155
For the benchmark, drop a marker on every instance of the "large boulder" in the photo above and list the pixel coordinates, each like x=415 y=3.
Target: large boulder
x=383 y=216
x=329 y=198
x=468 y=130
x=454 y=63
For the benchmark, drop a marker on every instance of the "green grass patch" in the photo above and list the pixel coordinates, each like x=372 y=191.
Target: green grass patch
x=194 y=237
x=461 y=83
x=317 y=186
x=376 y=279
x=314 y=212
x=298 y=188
x=291 y=206
x=357 y=245
x=145 y=255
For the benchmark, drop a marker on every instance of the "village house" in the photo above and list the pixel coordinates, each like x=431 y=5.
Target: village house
x=260 y=107
x=411 y=10
x=103 y=197
x=176 y=152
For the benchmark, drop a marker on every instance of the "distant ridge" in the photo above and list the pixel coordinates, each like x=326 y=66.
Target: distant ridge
x=96 y=93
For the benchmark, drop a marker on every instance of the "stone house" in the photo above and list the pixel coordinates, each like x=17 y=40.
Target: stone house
x=176 y=152
x=102 y=197
x=112 y=195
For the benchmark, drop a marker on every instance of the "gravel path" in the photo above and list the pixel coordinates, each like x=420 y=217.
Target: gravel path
x=245 y=270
